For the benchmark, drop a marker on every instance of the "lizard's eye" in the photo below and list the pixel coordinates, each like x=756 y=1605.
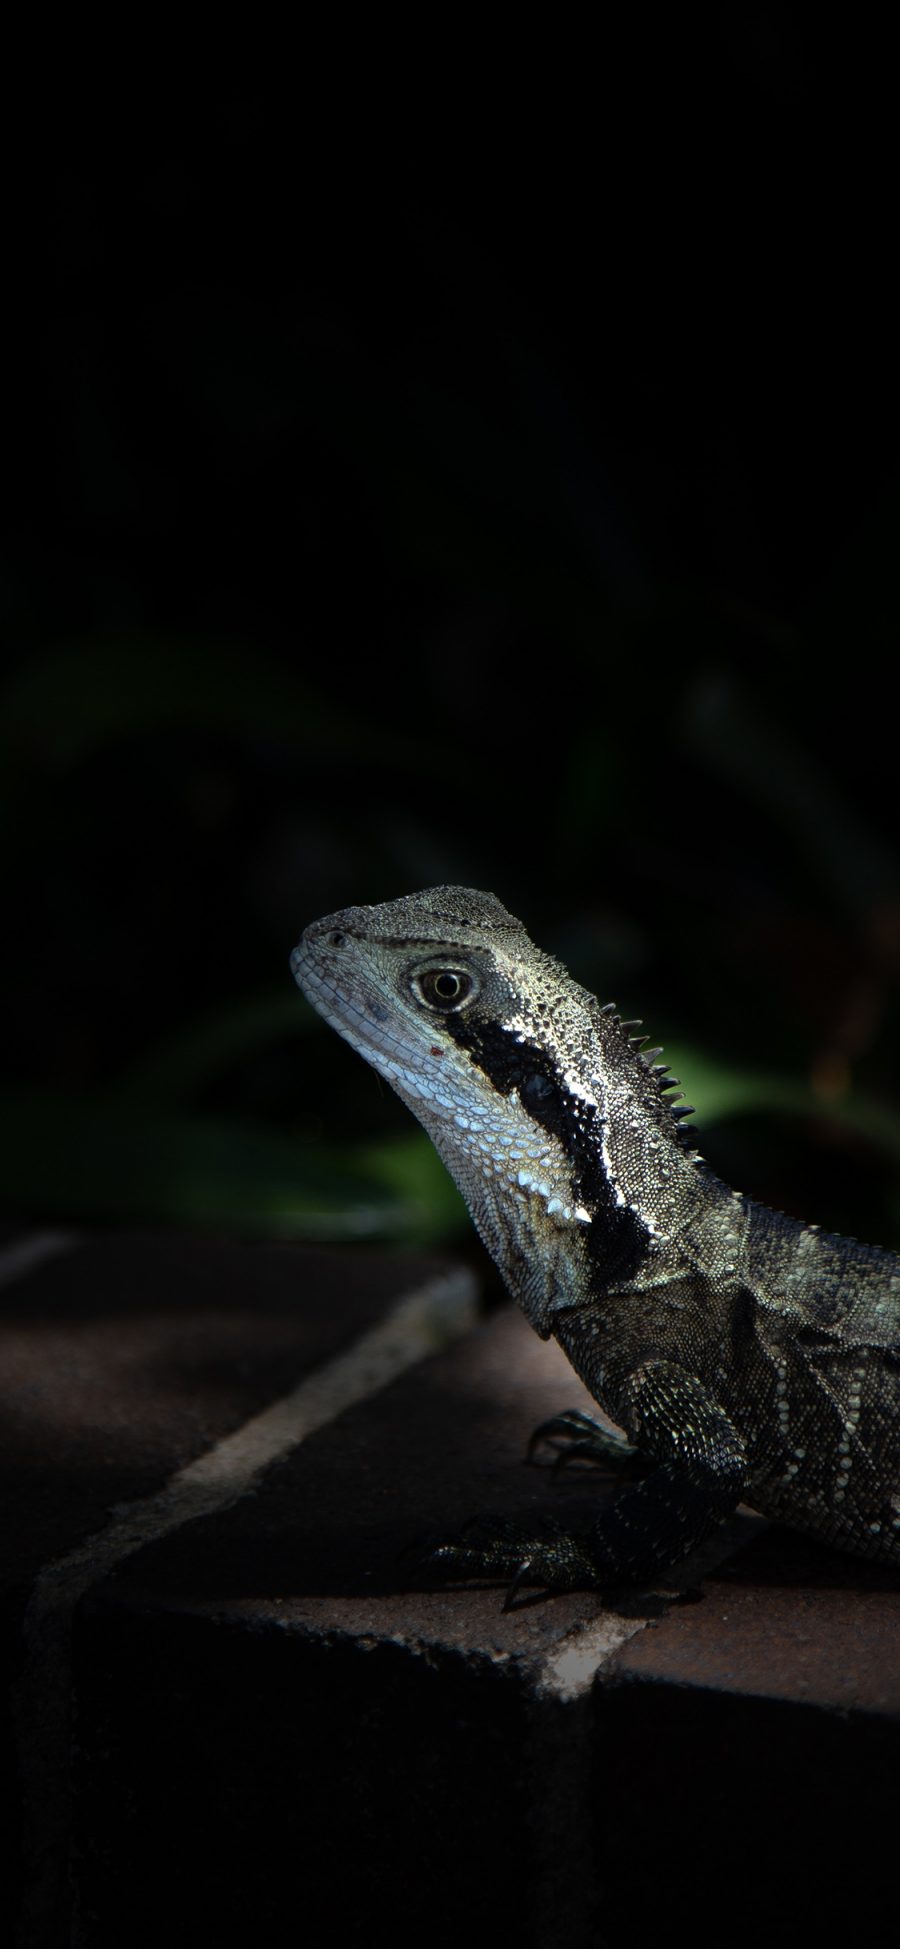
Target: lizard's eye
x=443 y=988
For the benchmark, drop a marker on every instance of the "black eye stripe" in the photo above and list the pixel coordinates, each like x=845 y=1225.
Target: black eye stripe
x=618 y=1241
x=513 y=1065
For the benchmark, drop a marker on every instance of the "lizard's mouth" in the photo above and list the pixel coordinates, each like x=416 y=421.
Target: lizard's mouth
x=328 y=988
x=347 y=1000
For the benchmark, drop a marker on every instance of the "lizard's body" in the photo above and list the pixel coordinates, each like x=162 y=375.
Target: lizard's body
x=747 y=1355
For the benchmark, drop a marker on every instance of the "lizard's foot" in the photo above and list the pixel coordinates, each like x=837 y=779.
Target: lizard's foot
x=497 y=1547
x=577 y=1437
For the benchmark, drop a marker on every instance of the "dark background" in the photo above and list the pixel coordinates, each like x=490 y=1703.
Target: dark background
x=469 y=467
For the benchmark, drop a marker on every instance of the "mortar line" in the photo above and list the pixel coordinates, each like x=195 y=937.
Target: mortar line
x=33 y=1249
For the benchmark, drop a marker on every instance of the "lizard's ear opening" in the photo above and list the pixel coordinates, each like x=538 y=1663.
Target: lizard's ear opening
x=444 y=988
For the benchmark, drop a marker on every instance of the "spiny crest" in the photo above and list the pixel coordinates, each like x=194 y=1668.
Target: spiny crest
x=659 y=1073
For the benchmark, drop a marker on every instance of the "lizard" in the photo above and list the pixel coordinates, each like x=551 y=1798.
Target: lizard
x=746 y=1356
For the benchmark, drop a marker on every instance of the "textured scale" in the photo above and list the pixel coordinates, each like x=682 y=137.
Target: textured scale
x=745 y=1354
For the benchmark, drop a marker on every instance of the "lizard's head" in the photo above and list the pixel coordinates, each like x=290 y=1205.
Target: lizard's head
x=482 y=1035
x=549 y=1118
x=415 y=984
x=514 y=1070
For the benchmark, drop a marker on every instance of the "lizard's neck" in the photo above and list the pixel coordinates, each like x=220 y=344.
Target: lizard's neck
x=645 y=1167
x=577 y=1180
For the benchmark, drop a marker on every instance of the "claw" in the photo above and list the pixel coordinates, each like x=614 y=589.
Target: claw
x=519 y=1577
x=578 y=1437
x=567 y=1426
x=496 y=1548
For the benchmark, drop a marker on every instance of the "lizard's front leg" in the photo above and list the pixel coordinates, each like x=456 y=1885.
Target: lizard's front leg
x=700 y=1474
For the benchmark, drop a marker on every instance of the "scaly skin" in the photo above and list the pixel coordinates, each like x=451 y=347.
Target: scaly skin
x=746 y=1355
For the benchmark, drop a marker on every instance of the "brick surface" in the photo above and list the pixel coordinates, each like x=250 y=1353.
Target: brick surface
x=786 y=1620
x=121 y=1362
x=127 y=1357
x=325 y=1542
x=363 y=1747
x=757 y=1733
x=409 y=1731
x=282 y=1724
